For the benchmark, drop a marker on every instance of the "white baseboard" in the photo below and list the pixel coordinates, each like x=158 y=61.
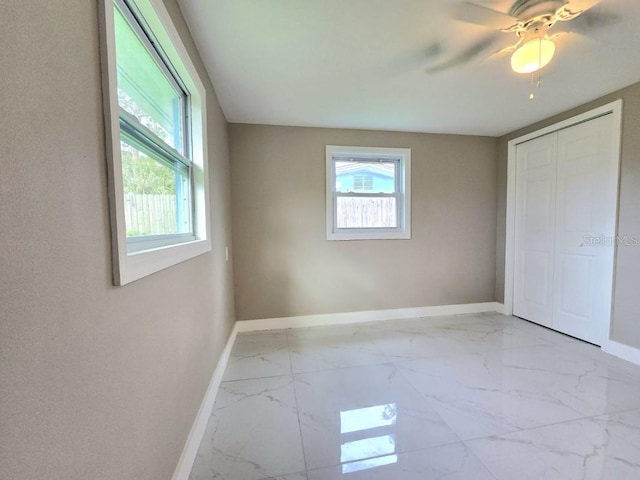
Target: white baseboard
x=366 y=316
x=620 y=350
x=185 y=464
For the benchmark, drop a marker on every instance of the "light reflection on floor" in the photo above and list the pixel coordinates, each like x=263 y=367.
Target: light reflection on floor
x=356 y=455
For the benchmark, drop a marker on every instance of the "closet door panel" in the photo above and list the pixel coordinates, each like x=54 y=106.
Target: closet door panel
x=535 y=223
x=585 y=229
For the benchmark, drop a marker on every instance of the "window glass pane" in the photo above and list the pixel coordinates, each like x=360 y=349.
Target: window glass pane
x=366 y=212
x=156 y=194
x=143 y=88
x=365 y=177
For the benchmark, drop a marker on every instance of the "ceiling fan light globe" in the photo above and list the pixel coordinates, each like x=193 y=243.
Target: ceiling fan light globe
x=533 y=55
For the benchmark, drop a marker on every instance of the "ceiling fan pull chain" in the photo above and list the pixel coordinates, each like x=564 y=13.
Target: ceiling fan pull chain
x=531 y=95
x=539 y=60
x=539 y=82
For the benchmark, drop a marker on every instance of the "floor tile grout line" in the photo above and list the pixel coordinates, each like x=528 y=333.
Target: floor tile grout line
x=390 y=359
x=295 y=397
x=426 y=400
x=256 y=378
x=306 y=372
x=589 y=417
x=580 y=417
x=283 y=475
x=619 y=437
x=404 y=452
x=290 y=375
x=479 y=458
x=459 y=441
x=431 y=406
x=235 y=357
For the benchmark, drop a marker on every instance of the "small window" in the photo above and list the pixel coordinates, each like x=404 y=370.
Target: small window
x=368 y=193
x=154 y=109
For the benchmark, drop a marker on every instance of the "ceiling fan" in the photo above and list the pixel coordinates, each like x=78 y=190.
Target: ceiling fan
x=535 y=24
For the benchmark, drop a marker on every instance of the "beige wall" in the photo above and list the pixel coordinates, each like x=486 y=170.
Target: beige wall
x=283 y=264
x=626 y=308
x=96 y=381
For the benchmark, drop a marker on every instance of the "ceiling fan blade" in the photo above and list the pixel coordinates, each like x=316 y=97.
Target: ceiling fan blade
x=589 y=22
x=433 y=50
x=465 y=56
x=571 y=10
x=507 y=50
x=479 y=15
x=582 y=5
x=555 y=36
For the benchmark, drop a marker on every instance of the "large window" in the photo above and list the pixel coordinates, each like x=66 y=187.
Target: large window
x=154 y=108
x=368 y=193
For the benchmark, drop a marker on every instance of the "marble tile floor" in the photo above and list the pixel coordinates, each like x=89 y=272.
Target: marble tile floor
x=462 y=397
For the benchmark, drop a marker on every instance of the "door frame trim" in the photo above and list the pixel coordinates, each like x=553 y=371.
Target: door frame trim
x=614 y=108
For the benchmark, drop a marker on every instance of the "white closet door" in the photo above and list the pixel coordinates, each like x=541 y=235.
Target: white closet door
x=535 y=229
x=585 y=229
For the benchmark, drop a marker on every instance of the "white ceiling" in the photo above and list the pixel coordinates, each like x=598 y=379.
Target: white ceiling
x=361 y=64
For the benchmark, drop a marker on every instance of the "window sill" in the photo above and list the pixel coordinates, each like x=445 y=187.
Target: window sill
x=369 y=236
x=140 y=264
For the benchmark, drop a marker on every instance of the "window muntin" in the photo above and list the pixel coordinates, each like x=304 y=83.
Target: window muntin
x=367 y=194
x=156 y=171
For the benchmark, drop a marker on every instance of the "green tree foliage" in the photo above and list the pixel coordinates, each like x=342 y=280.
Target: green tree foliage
x=141 y=173
x=144 y=175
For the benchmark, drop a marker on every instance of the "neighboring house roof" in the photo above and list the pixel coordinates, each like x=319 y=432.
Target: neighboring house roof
x=359 y=168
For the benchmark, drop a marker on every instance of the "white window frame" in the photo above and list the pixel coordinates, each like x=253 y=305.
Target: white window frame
x=403 y=193
x=132 y=263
